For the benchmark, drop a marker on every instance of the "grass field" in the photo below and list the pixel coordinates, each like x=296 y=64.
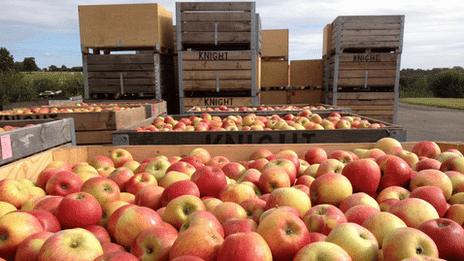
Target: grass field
x=450 y=103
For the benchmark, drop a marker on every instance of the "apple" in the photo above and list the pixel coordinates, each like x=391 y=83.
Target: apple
x=13 y=192
x=393 y=192
x=447 y=235
x=254 y=207
x=427 y=149
x=71 y=244
x=260 y=153
x=289 y=197
x=323 y=218
x=14 y=228
x=358 y=214
x=427 y=163
x=132 y=165
x=157 y=168
x=315 y=155
x=414 y=211
x=120 y=157
x=109 y=247
x=29 y=249
x=182 y=166
x=149 y=196
x=45 y=175
x=154 y=243
x=330 y=166
x=199 y=241
x=117 y=256
x=85 y=171
x=211 y=203
x=389 y=145
x=364 y=175
x=432 y=195
x=63 y=183
x=203 y=219
x=330 y=188
x=172 y=177
x=251 y=175
x=395 y=171
x=202 y=154
x=101 y=161
x=210 y=181
x=407 y=242
x=381 y=224
x=273 y=178
x=49 y=222
x=342 y=156
x=258 y=164
x=179 y=208
x=410 y=158
x=99 y=232
x=48 y=203
x=127 y=197
x=285 y=164
x=121 y=175
x=457 y=179
x=6 y=208
x=369 y=153
x=455 y=164
x=228 y=210
x=79 y=209
x=312 y=170
x=285 y=234
x=305 y=180
x=433 y=177
x=194 y=161
x=247 y=246
x=456 y=213
x=187 y=258
x=109 y=208
x=128 y=221
x=356 y=199
x=356 y=240
x=139 y=181
x=103 y=189
x=322 y=251
x=239 y=225
x=218 y=161
x=444 y=156
x=233 y=170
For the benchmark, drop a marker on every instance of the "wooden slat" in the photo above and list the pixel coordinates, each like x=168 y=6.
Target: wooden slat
x=350 y=103
x=216 y=55
x=369 y=19
x=213 y=38
x=117 y=82
x=217 y=65
x=215 y=17
x=220 y=27
x=119 y=58
x=215 y=6
x=365 y=95
x=117 y=75
x=370 y=81
x=370 y=32
x=213 y=75
x=224 y=84
x=93 y=137
x=218 y=101
x=371 y=74
x=366 y=26
x=120 y=67
x=28 y=168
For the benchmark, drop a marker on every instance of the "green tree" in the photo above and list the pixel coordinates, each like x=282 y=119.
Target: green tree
x=29 y=64
x=448 y=84
x=53 y=68
x=6 y=60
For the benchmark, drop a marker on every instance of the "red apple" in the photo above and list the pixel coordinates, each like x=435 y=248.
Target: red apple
x=285 y=164
x=45 y=175
x=360 y=213
x=101 y=161
x=99 y=232
x=448 y=236
x=179 y=188
x=199 y=241
x=427 y=149
x=323 y=218
x=117 y=256
x=14 y=228
x=182 y=166
x=343 y=156
x=364 y=175
x=210 y=181
x=315 y=155
x=433 y=177
x=201 y=153
x=49 y=222
x=149 y=196
x=120 y=156
x=434 y=196
x=252 y=175
x=330 y=166
x=29 y=249
x=258 y=164
x=273 y=178
x=239 y=225
x=414 y=211
x=203 y=219
x=63 y=183
x=330 y=188
x=139 y=181
x=14 y=192
x=154 y=243
x=78 y=210
x=254 y=207
x=103 y=189
x=109 y=247
x=48 y=203
x=249 y=246
x=233 y=170
x=454 y=163
x=395 y=171
x=194 y=161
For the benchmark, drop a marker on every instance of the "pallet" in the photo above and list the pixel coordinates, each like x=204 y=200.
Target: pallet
x=222 y=25
x=188 y=102
x=144 y=74
x=132 y=137
x=26 y=141
x=350 y=34
x=30 y=167
x=305 y=73
x=274 y=44
x=274 y=73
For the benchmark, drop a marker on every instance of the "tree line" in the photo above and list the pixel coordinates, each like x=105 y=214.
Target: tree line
x=437 y=82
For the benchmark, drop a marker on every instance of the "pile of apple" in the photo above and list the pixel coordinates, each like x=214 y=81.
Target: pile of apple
x=11 y=128
x=71 y=109
x=224 y=108
x=383 y=203
x=304 y=120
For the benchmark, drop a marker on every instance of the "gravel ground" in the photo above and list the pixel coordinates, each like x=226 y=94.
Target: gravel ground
x=431 y=123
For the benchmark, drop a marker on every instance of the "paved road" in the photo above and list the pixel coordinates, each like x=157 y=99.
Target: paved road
x=431 y=123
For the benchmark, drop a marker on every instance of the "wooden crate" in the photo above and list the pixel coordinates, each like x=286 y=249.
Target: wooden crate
x=306 y=73
x=274 y=73
x=26 y=141
x=305 y=96
x=112 y=27
x=361 y=33
x=273 y=109
x=132 y=137
x=217 y=24
x=326 y=39
x=274 y=97
x=152 y=107
x=188 y=102
x=274 y=44
x=144 y=74
x=31 y=167
x=379 y=105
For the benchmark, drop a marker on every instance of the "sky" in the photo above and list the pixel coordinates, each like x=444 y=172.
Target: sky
x=433 y=37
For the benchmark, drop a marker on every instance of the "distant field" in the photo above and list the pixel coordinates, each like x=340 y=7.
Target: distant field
x=450 y=103
x=56 y=76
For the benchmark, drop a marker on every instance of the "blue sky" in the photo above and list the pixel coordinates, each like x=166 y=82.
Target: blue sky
x=434 y=31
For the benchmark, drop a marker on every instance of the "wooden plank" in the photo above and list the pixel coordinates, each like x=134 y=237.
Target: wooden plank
x=365 y=95
x=217 y=65
x=216 y=55
x=219 y=27
x=119 y=58
x=213 y=85
x=370 y=32
x=215 y=38
x=306 y=73
x=305 y=96
x=221 y=74
x=366 y=26
x=215 y=6
x=93 y=137
x=23 y=142
x=117 y=75
x=27 y=168
x=370 y=81
x=274 y=97
x=274 y=73
x=215 y=17
x=369 y=19
x=350 y=103
x=274 y=43
x=120 y=67
x=117 y=82
x=370 y=73
x=217 y=101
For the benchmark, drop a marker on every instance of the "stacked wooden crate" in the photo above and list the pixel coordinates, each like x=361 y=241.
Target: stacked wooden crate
x=218 y=53
x=126 y=50
x=274 y=66
x=306 y=81
x=362 y=56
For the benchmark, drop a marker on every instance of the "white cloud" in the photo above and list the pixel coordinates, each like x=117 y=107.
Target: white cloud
x=434 y=30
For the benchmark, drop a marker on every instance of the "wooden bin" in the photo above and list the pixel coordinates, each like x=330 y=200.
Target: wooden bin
x=42 y=135
x=31 y=167
x=306 y=73
x=274 y=109
x=274 y=44
x=229 y=25
x=91 y=127
x=274 y=73
x=152 y=107
x=188 y=102
x=132 y=137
